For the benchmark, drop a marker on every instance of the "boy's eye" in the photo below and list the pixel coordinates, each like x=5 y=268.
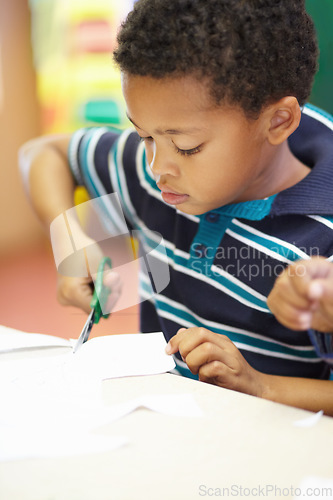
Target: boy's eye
x=143 y=139
x=189 y=152
x=183 y=152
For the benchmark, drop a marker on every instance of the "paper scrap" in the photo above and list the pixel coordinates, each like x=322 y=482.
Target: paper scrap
x=309 y=421
x=177 y=405
x=17 y=444
x=319 y=487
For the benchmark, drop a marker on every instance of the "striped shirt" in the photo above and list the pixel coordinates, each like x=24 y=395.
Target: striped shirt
x=223 y=263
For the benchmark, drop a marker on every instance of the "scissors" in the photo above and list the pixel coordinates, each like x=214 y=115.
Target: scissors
x=99 y=299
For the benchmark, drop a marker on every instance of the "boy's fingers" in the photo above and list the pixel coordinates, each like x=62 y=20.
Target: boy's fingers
x=173 y=345
x=290 y=309
x=111 y=302
x=322 y=288
x=112 y=279
x=186 y=340
x=295 y=284
x=310 y=276
x=208 y=353
x=316 y=290
x=75 y=292
x=284 y=293
x=295 y=319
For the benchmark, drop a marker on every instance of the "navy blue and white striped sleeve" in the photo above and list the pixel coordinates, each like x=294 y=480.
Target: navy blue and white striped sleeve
x=96 y=158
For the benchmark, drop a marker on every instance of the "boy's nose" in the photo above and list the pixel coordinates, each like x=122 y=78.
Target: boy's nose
x=160 y=164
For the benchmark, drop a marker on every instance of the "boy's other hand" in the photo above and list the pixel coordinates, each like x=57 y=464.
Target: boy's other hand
x=302 y=296
x=216 y=360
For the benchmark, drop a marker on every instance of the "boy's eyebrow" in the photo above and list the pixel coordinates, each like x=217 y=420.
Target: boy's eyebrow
x=169 y=131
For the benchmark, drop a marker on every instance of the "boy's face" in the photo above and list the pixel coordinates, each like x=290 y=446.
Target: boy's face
x=204 y=156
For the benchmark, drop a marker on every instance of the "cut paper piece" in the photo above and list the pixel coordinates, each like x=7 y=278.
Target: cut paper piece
x=177 y=405
x=13 y=340
x=319 y=487
x=17 y=444
x=123 y=355
x=309 y=421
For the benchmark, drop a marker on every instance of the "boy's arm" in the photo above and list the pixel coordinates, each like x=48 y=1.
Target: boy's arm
x=218 y=361
x=50 y=182
x=309 y=394
x=51 y=190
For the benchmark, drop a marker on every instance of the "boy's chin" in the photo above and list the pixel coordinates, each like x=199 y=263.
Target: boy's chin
x=189 y=209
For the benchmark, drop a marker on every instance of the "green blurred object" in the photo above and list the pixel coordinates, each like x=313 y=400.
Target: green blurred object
x=321 y=12
x=102 y=111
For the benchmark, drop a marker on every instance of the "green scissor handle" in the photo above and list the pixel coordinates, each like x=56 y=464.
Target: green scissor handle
x=101 y=292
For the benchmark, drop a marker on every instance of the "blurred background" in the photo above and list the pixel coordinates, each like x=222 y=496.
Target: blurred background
x=56 y=74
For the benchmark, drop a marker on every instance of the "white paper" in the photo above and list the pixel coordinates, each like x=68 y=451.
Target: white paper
x=309 y=421
x=12 y=340
x=124 y=355
x=101 y=357
x=44 y=398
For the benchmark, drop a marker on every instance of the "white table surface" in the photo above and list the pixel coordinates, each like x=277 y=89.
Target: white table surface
x=242 y=443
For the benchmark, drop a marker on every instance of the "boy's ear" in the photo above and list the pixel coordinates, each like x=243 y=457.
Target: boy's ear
x=284 y=117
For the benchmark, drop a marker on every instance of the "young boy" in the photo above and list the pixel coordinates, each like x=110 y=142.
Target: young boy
x=227 y=169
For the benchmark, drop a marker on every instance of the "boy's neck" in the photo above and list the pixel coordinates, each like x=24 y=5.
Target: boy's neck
x=289 y=169
x=285 y=171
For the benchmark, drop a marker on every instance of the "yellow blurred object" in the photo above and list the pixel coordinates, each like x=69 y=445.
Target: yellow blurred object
x=72 y=44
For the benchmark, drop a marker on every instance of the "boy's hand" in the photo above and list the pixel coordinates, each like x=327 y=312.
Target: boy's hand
x=216 y=360
x=302 y=296
x=78 y=292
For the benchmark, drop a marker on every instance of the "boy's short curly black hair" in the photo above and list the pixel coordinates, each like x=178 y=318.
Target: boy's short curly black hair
x=254 y=52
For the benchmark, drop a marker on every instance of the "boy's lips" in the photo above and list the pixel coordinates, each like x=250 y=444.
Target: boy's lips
x=172 y=197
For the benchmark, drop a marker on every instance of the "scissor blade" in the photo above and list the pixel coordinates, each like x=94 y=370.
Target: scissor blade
x=85 y=331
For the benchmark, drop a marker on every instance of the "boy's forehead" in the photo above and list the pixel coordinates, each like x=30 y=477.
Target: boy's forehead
x=172 y=131
x=187 y=88
x=175 y=106
x=165 y=108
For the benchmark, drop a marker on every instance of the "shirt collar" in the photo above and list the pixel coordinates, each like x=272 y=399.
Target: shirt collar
x=252 y=210
x=312 y=143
